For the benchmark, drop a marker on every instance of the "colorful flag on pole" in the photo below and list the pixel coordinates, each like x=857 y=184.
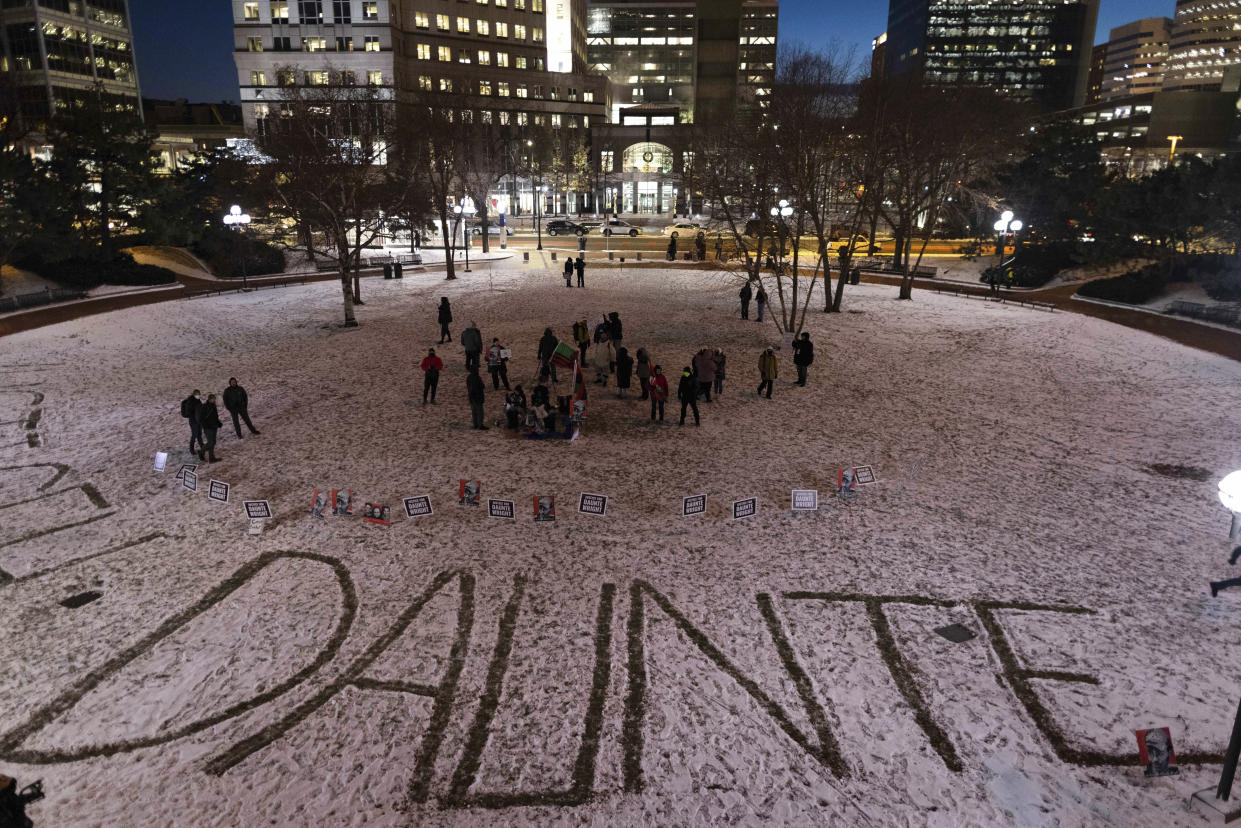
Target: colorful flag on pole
x=564 y=355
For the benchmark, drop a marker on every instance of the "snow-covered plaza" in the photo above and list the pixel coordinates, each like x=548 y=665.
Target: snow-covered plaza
x=1045 y=480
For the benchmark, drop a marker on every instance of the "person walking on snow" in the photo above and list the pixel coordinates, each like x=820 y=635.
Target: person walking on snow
x=803 y=355
x=746 y=294
x=568 y=271
x=547 y=349
x=209 y=420
x=189 y=410
x=581 y=336
x=580 y=264
x=624 y=371
x=237 y=402
x=687 y=393
x=445 y=319
x=761 y=298
x=474 y=390
x=472 y=342
x=644 y=372
x=431 y=367
x=720 y=359
x=768 y=370
x=659 y=392
x=497 y=364
x=704 y=370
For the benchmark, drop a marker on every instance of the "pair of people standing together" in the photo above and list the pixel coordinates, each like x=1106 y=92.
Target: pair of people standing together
x=204 y=417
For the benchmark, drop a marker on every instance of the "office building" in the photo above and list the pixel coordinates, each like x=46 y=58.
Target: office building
x=59 y=51
x=1030 y=50
x=1205 y=50
x=1094 y=78
x=1135 y=56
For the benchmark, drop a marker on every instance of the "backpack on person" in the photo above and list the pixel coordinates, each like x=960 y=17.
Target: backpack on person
x=187 y=409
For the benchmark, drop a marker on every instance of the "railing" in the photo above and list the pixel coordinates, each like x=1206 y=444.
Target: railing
x=47 y=296
x=1220 y=314
x=327 y=265
x=971 y=293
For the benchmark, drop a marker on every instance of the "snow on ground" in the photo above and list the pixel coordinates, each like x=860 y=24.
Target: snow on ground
x=638 y=668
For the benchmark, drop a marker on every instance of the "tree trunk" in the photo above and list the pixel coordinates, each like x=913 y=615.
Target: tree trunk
x=446 y=237
x=482 y=219
x=845 y=263
x=105 y=207
x=351 y=321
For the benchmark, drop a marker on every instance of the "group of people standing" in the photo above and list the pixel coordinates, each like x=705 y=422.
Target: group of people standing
x=204 y=418
x=747 y=294
x=578 y=265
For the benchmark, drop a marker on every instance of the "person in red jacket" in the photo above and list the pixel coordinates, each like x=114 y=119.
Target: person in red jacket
x=659 y=392
x=431 y=367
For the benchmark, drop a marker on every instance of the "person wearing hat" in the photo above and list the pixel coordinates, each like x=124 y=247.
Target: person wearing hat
x=237 y=402
x=687 y=393
x=431 y=367
x=444 y=317
x=658 y=387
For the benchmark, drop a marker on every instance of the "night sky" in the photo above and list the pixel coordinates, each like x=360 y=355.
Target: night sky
x=185 y=48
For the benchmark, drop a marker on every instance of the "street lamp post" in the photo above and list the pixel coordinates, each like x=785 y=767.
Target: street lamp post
x=465 y=211
x=538 y=196
x=782 y=212
x=1005 y=226
x=237 y=220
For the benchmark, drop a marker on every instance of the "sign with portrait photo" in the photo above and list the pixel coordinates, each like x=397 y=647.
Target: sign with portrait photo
x=319 y=503
x=745 y=508
x=469 y=492
x=417 y=506
x=377 y=513
x=342 y=502
x=694 y=505
x=1156 y=753
x=544 y=508
x=593 y=504
x=504 y=509
x=217 y=491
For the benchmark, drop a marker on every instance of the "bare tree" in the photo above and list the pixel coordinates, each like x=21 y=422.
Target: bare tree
x=326 y=148
x=433 y=138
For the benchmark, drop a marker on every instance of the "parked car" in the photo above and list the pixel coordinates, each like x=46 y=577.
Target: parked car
x=754 y=226
x=686 y=227
x=563 y=227
x=617 y=227
x=861 y=244
x=492 y=229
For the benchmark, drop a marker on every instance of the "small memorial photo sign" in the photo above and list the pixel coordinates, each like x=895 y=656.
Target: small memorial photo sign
x=256 y=509
x=161 y=460
x=377 y=513
x=318 y=504
x=501 y=509
x=865 y=475
x=184 y=468
x=1155 y=752
x=694 y=505
x=593 y=504
x=469 y=492
x=544 y=508
x=417 y=506
x=342 y=502
x=745 y=508
x=217 y=491
x=189 y=480
x=805 y=500
x=846 y=484
x=506 y=353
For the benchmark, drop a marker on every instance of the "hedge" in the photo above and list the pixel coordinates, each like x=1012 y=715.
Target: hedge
x=1219 y=276
x=82 y=273
x=223 y=252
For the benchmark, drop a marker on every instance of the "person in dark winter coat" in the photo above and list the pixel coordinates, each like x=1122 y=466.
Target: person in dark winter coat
x=659 y=392
x=644 y=372
x=761 y=298
x=687 y=393
x=672 y=250
x=189 y=410
x=803 y=356
x=431 y=367
x=568 y=272
x=700 y=246
x=547 y=348
x=746 y=294
x=704 y=372
x=209 y=419
x=474 y=390
x=624 y=371
x=580 y=264
x=615 y=329
x=237 y=402
x=768 y=370
x=472 y=342
x=497 y=364
x=515 y=408
x=720 y=360
x=445 y=319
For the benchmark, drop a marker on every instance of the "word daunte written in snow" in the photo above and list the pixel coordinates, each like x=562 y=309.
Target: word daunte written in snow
x=784 y=711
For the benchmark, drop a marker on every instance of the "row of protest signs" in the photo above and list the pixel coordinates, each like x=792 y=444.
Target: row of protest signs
x=803 y=500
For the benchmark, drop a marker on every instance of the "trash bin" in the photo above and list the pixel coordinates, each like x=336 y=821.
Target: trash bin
x=855 y=277
x=581 y=243
x=553 y=255
x=400 y=274
x=387 y=271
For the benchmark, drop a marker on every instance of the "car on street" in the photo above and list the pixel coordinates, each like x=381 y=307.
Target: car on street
x=492 y=229
x=617 y=227
x=686 y=227
x=768 y=228
x=860 y=244
x=563 y=227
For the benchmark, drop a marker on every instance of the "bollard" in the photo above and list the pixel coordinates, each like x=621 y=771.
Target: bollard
x=553 y=255
x=398 y=271
x=525 y=257
x=622 y=259
x=610 y=255
x=639 y=255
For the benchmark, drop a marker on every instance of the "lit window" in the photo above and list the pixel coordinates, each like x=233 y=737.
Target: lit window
x=424 y=83
x=463 y=25
x=522 y=118
x=502 y=89
x=314 y=44
x=250 y=11
x=422 y=20
x=424 y=51
x=519 y=32
x=255 y=44
x=482 y=27
x=445 y=84
x=463 y=56
x=501 y=30
x=445 y=54
x=484 y=87
x=521 y=62
x=317 y=78
x=441 y=22
x=555 y=118
x=370 y=10
x=536 y=6
x=280 y=11
x=258 y=78
x=522 y=92
x=372 y=44
x=538 y=34
x=484 y=57
x=502 y=59
x=588 y=97
x=375 y=78
x=501 y=3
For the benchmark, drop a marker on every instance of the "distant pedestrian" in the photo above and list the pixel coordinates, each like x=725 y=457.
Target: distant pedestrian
x=704 y=372
x=746 y=294
x=672 y=249
x=472 y=342
x=644 y=372
x=497 y=364
x=581 y=335
x=803 y=355
x=474 y=391
x=431 y=368
x=624 y=371
x=580 y=264
x=238 y=402
x=189 y=410
x=719 y=248
x=209 y=420
x=720 y=360
x=615 y=330
x=761 y=298
x=445 y=319
x=768 y=370
x=687 y=393
x=547 y=349
x=659 y=392
x=700 y=246
x=515 y=408
x=568 y=271
x=603 y=358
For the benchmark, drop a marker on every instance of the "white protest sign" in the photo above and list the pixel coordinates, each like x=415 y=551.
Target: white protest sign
x=805 y=500
x=161 y=460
